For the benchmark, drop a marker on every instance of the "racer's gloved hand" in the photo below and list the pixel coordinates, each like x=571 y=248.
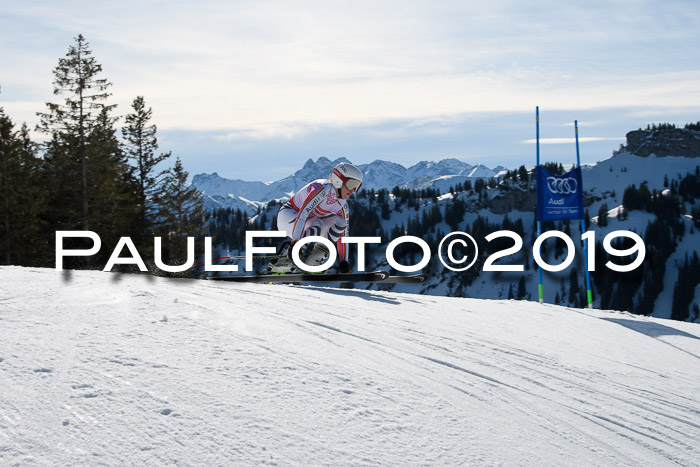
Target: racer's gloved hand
x=344 y=267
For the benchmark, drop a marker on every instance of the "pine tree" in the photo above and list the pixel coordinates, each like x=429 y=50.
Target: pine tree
x=86 y=174
x=684 y=289
x=574 y=288
x=21 y=197
x=180 y=213
x=622 y=214
x=523 y=175
x=111 y=187
x=522 y=290
x=70 y=124
x=603 y=215
x=140 y=148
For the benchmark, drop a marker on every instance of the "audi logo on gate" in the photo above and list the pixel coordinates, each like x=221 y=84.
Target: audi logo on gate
x=562 y=186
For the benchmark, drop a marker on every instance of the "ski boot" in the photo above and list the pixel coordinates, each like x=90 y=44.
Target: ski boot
x=283 y=265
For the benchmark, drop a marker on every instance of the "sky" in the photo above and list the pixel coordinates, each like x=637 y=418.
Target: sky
x=253 y=89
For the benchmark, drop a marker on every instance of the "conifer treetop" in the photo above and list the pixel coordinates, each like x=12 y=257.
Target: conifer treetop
x=76 y=78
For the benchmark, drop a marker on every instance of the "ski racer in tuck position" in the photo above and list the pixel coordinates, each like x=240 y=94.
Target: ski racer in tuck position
x=319 y=209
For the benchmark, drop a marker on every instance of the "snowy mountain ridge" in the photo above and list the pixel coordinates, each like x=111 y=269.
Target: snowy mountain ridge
x=605 y=183
x=112 y=369
x=220 y=192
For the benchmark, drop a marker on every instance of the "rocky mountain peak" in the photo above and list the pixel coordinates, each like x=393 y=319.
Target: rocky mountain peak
x=664 y=142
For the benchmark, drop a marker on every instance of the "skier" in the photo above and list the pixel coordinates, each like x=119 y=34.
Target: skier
x=319 y=208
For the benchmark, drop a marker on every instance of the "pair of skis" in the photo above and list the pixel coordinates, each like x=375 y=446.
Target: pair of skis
x=382 y=277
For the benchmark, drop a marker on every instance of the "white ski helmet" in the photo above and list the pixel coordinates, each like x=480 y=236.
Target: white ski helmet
x=348 y=175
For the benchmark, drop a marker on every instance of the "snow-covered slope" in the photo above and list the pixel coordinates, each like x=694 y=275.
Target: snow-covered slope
x=624 y=169
x=109 y=369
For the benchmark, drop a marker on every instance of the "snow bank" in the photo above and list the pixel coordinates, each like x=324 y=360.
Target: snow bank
x=107 y=369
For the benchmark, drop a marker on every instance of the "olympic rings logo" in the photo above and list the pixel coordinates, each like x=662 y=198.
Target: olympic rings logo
x=562 y=186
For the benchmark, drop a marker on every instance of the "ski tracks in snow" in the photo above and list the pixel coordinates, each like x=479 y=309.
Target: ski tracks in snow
x=110 y=369
x=555 y=393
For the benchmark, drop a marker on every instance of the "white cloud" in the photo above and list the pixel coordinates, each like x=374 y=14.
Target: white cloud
x=268 y=132
x=273 y=69
x=590 y=123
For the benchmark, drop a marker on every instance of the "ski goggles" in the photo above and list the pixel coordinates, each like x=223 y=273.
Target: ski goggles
x=351 y=184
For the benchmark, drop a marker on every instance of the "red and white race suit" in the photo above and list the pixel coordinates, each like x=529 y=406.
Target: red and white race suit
x=316 y=209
